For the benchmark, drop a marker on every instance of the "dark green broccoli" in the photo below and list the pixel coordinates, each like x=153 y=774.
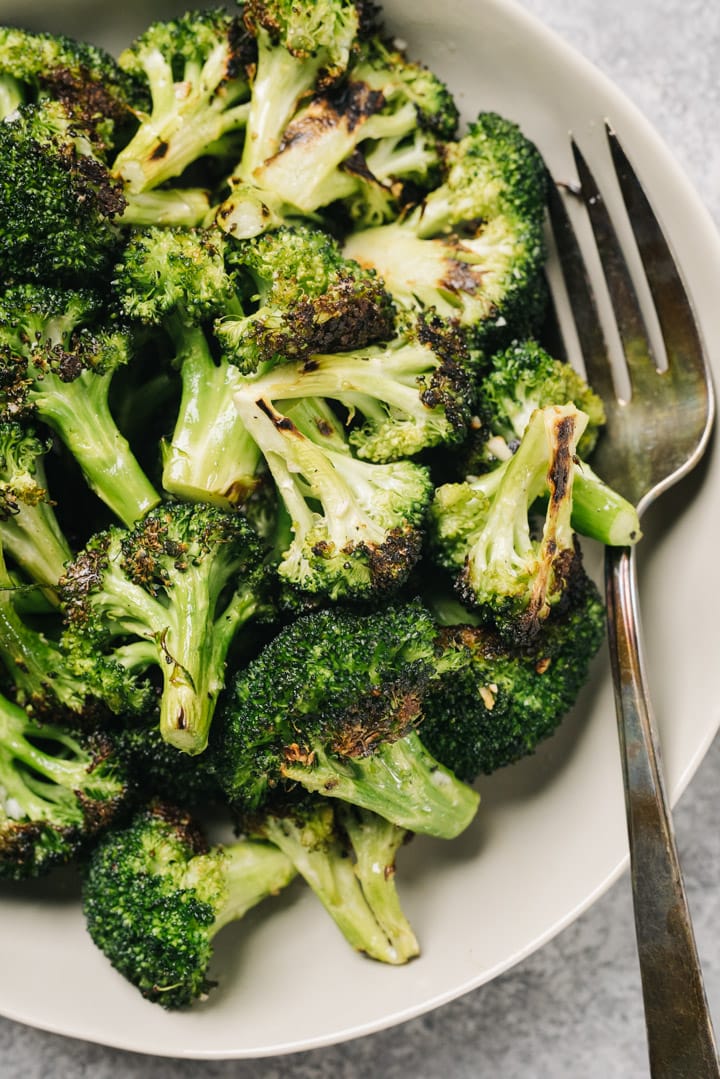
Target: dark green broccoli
x=522 y=378
x=299 y=295
x=332 y=703
x=29 y=530
x=35 y=66
x=402 y=397
x=388 y=113
x=195 y=70
x=175 y=589
x=483 y=529
x=347 y=856
x=356 y=526
x=473 y=249
x=155 y=894
x=62 y=213
x=58 y=789
x=59 y=350
x=159 y=770
x=505 y=701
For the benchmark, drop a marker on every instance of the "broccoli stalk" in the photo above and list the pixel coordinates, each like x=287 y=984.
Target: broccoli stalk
x=155 y=895
x=310 y=833
x=194 y=67
x=332 y=703
x=29 y=530
x=58 y=790
x=356 y=524
x=181 y=583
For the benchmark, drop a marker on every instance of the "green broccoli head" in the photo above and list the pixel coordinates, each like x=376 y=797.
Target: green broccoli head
x=300 y=295
x=179 y=584
x=332 y=703
x=59 y=788
x=504 y=702
x=155 y=894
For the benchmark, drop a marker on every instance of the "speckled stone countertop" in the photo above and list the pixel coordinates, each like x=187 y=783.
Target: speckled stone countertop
x=573 y=1009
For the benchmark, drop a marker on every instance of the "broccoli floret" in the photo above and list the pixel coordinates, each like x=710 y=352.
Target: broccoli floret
x=525 y=377
x=473 y=249
x=59 y=351
x=29 y=530
x=347 y=856
x=155 y=895
x=388 y=110
x=76 y=73
x=505 y=701
x=356 y=525
x=180 y=584
x=177 y=280
x=300 y=295
x=332 y=703
x=58 y=789
x=484 y=528
x=401 y=398
x=159 y=770
x=195 y=70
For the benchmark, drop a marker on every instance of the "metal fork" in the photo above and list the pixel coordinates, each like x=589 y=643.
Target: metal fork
x=656 y=433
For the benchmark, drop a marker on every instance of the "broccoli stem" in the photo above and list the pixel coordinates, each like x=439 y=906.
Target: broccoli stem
x=80 y=414
x=33 y=538
x=326 y=867
x=601 y=513
x=376 y=842
x=400 y=781
x=211 y=457
x=184 y=207
x=252 y=871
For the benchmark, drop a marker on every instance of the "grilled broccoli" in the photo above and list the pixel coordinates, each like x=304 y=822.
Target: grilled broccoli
x=504 y=701
x=332 y=703
x=155 y=894
x=195 y=70
x=62 y=213
x=59 y=351
x=356 y=526
x=484 y=531
x=347 y=856
x=472 y=250
x=29 y=530
x=37 y=66
x=522 y=378
x=58 y=789
x=177 y=586
x=299 y=295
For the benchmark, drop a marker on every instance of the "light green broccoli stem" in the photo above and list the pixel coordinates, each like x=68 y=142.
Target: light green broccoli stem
x=183 y=126
x=600 y=512
x=12 y=95
x=400 y=781
x=32 y=537
x=252 y=871
x=182 y=207
x=211 y=457
x=79 y=413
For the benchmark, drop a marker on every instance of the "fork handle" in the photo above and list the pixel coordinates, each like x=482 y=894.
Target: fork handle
x=681 y=1041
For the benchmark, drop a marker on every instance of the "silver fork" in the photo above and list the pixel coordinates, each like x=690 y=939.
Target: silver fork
x=656 y=433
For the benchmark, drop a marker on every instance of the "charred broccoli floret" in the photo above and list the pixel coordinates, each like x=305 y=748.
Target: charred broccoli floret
x=178 y=586
x=58 y=789
x=155 y=895
x=473 y=249
x=59 y=351
x=332 y=703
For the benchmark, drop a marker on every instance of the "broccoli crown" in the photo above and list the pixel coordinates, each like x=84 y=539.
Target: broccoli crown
x=59 y=204
x=182 y=581
x=76 y=73
x=327 y=30
x=58 y=789
x=473 y=249
x=160 y=771
x=356 y=525
x=155 y=894
x=505 y=701
x=301 y=296
x=195 y=70
x=512 y=576
x=524 y=377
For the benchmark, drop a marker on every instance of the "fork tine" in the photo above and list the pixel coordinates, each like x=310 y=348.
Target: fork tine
x=623 y=295
x=580 y=295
